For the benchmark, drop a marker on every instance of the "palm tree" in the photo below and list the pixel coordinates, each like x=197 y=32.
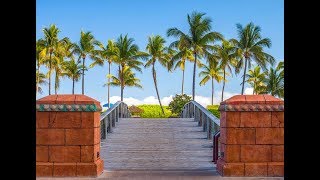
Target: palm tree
x=157 y=52
x=72 y=70
x=107 y=53
x=197 y=40
x=51 y=39
x=250 y=47
x=41 y=52
x=127 y=55
x=63 y=49
x=212 y=71
x=41 y=80
x=226 y=54
x=275 y=83
x=85 y=48
x=180 y=57
x=128 y=79
x=256 y=79
x=280 y=67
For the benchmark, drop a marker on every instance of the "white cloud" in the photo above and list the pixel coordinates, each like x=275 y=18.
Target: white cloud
x=248 y=91
x=203 y=100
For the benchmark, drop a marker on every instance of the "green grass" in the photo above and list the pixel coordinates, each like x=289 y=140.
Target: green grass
x=154 y=111
x=214 y=110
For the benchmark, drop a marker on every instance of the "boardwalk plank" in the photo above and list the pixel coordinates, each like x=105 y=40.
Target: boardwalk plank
x=157 y=144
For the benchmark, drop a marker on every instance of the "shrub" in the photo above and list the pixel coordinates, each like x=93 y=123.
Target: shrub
x=214 y=110
x=154 y=111
x=178 y=102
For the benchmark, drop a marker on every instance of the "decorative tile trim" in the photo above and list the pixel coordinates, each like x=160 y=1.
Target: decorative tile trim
x=68 y=107
x=251 y=107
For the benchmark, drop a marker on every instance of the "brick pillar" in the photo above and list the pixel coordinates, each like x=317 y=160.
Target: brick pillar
x=68 y=136
x=251 y=136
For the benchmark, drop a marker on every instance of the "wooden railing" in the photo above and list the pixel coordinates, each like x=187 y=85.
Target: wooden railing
x=210 y=123
x=109 y=118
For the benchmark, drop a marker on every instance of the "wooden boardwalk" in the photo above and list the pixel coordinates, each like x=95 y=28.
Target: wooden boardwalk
x=157 y=144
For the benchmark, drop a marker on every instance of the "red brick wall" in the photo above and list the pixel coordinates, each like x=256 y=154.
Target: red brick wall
x=68 y=143
x=251 y=136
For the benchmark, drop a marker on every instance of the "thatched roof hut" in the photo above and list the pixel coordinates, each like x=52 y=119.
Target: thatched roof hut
x=135 y=110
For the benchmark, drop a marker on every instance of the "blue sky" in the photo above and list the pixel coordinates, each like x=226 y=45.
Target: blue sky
x=142 y=18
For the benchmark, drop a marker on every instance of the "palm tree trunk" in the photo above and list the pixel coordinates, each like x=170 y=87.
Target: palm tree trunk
x=182 y=81
x=55 y=82
x=155 y=84
x=37 y=83
x=83 y=59
x=72 y=85
x=244 y=75
x=50 y=74
x=121 y=80
x=212 y=91
x=194 y=76
x=254 y=87
x=109 y=86
x=224 y=82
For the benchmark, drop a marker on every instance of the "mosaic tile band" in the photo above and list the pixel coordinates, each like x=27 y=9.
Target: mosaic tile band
x=68 y=107
x=251 y=107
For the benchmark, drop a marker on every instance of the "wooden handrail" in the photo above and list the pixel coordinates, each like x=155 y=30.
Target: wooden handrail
x=210 y=123
x=109 y=118
x=216 y=147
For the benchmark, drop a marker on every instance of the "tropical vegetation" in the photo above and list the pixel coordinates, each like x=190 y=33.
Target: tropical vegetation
x=250 y=48
x=155 y=111
x=156 y=52
x=216 y=57
x=199 y=39
x=178 y=102
x=212 y=72
x=270 y=81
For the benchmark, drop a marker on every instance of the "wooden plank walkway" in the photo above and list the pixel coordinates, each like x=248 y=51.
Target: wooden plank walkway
x=157 y=144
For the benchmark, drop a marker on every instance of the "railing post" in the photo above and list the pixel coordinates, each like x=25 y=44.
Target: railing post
x=110 y=123
x=105 y=127
x=209 y=130
x=200 y=118
x=117 y=114
x=205 y=123
x=113 y=119
x=215 y=128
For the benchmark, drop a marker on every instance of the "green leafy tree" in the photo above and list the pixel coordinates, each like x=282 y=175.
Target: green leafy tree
x=72 y=70
x=212 y=71
x=274 y=82
x=256 y=80
x=179 y=58
x=198 y=39
x=127 y=55
x=178 y=102
x=128 y=79
x=64 y=49
x=250 y=48
x=106 y=54
x=41 y=52
x=50 y=42
x=41 y=79
x=156 y=52
x=226 y=54
x=85 y=48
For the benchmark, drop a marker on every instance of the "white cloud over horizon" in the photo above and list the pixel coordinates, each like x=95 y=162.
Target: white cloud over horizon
x=203 y=100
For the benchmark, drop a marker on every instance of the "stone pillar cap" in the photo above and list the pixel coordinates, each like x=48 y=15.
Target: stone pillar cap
x=263 y=102
x=67 y=102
